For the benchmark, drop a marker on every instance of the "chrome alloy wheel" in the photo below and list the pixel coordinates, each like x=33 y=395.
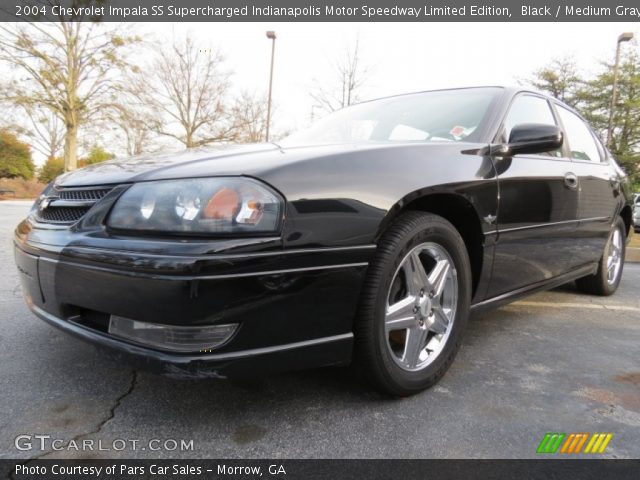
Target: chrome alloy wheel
x=614 y=256
x=421 y=306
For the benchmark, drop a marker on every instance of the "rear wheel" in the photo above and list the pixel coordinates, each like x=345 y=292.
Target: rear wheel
x=414 y=305
x=606 y=280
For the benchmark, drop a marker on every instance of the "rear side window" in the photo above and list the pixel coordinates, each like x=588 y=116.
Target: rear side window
x=529 y=109
x=581 y=140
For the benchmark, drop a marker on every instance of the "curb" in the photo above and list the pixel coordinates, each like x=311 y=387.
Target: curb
x=633 y=255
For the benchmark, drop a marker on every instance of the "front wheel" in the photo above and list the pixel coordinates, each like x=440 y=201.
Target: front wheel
x=606 y=280
x=414 y=305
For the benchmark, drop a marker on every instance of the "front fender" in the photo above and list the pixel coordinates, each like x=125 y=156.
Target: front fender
x=348 y=198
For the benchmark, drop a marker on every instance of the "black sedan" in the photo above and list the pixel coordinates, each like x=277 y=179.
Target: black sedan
x=369 y=238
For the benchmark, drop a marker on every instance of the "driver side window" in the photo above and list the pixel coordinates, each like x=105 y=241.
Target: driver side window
x=529 y=109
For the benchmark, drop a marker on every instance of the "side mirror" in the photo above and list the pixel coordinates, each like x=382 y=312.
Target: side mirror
x=531 y=138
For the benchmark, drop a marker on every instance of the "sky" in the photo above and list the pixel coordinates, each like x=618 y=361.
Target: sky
x=402 y=57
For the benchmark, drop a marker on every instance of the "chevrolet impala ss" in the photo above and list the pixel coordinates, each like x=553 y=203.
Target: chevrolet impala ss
x=369 y=238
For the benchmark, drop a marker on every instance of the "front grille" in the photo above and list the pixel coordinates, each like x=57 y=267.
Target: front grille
x=66 y=206
x=62 y=214
x=71 y=194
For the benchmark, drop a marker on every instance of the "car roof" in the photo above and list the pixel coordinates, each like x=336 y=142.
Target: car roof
x=508 y=91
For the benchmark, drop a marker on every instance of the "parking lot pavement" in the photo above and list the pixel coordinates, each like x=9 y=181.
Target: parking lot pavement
x=556 y=362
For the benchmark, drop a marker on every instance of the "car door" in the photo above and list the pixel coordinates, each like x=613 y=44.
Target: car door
x=538 y=206
x=599 y=186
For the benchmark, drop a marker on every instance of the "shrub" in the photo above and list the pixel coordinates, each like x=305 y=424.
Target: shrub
x=51 y=169
x=15 y=157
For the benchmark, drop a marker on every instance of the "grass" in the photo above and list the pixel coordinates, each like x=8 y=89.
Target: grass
x=24 y=189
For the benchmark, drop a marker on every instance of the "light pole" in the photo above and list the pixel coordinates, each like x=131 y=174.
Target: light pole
x=271 y=35
x=624 y=37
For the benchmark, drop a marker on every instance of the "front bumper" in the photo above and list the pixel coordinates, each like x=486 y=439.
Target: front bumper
x=335 y=350
x=295 y=308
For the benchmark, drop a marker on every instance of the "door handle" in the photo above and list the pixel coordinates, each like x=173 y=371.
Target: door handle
x=571 y=180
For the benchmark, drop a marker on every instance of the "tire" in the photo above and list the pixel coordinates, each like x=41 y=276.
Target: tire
x=600 y=283
x=388 y=359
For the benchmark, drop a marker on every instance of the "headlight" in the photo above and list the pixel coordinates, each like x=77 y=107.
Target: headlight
x=201 y=205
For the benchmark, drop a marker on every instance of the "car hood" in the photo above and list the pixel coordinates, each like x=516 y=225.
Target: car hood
x=255 y=160
x=141 y=167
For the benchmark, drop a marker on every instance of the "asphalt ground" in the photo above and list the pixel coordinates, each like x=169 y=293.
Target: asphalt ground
x=556 y=362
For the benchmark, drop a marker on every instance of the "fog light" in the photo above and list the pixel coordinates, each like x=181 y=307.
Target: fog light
x=171 y=337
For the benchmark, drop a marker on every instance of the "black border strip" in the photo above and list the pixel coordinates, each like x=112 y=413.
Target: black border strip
x=344 y=469
x=320 y=11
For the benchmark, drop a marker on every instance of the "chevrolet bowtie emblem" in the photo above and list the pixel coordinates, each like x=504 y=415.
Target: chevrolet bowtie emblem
x=45 y=202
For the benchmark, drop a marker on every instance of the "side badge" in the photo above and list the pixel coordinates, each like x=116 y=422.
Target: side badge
x=490 y=219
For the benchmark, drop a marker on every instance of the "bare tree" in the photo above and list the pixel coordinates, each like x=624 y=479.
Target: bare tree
x=47 y=131
x=43 y=130
x=186 y=89
x=131 y=125
x=348 y=78
x=137 y=134
x=249 y=113
x=69 y=68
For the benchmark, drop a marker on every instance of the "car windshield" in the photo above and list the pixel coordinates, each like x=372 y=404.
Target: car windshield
x=437 y=116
